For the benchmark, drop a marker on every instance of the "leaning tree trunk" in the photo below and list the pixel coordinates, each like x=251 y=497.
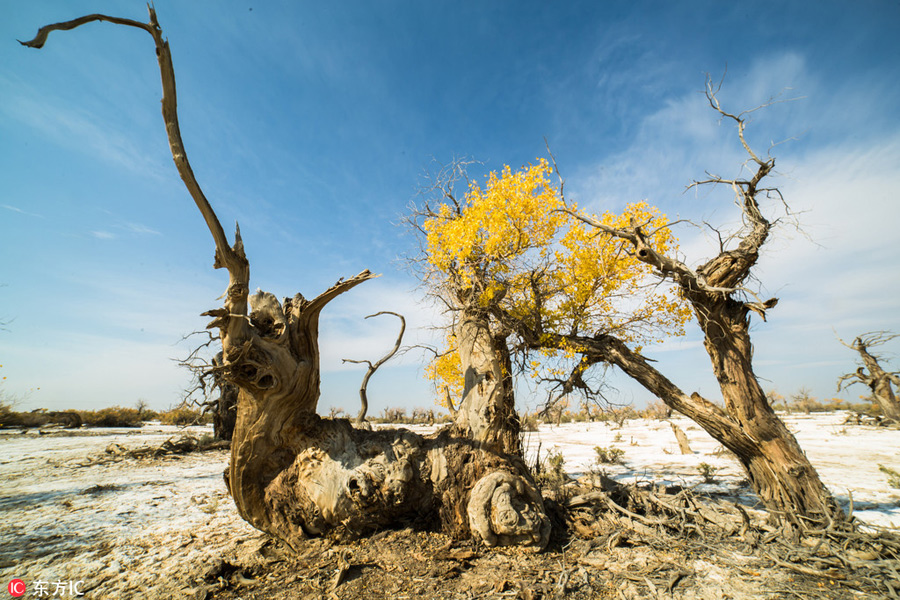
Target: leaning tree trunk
x=884 y=395
x=294 y=474
x=778 y=470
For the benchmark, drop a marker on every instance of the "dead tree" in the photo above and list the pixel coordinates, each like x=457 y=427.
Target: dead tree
x=293 y=474
x=881 y=382
x=684 y=446
x=363 y=395
x=777 y=468
x=209 y=390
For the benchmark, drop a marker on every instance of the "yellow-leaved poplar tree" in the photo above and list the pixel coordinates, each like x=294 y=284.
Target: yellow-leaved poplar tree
x=510 y=253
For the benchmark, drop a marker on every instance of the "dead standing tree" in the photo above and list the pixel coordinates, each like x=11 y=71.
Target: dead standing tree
x=363 y=393
x=778 y=469
x=224 y=408
x=207 y=380
x=294 y=474
x=881 y=382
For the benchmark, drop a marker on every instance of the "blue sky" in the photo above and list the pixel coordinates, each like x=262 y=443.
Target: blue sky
x=312 y=124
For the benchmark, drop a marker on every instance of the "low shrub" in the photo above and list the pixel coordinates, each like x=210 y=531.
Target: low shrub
x=707 y=472
x=11 y=418
x=618 y=415
x=394 y=415
x=657 y=411
x=6 y=413
x=552 y=474
x=115 y=416
x=528 y=422
x=608 y=456
x=423 y=416
x=182 y=416
x=892 y=475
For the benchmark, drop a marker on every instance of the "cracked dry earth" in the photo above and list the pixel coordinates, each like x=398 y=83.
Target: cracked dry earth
x=166 y=528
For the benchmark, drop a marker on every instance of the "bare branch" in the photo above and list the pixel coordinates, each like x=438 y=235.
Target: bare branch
x=363 y=398
x=562 y=182
x=41 y=38
x=234 y=258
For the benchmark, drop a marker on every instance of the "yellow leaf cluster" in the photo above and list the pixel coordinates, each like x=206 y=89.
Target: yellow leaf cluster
x=446 y=371
x=513 y=217
x=514 y=236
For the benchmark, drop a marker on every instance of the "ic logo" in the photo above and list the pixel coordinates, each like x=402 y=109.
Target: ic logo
x=16 y=587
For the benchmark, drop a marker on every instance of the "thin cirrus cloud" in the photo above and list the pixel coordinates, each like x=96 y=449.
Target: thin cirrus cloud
x=18 y=210
x=829 y=261
x=82 y=131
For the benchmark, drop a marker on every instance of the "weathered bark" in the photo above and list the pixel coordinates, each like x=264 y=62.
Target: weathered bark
x=779 y=471
x=448 y=400
x=879 y=381
x=293 y=474
x=487 y=411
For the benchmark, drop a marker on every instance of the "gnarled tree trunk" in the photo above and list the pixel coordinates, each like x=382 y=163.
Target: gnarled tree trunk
x=487 y=410
x=294 y=474
x=880 y=381
x=779 y=471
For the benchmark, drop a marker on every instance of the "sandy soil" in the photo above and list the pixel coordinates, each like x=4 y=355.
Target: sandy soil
x=160 y=528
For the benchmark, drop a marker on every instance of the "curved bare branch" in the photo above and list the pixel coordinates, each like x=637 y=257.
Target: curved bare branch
x=234 y=258
x=363 y=397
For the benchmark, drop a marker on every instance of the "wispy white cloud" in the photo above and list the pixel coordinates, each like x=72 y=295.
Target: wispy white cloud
x=20 y=211
x=83 y=130
x=127 y=228
x=684 y=140
x=139 y=229
x=838 y=271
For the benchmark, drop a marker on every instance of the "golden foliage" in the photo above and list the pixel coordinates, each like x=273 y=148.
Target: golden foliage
x=512 y=244
x=446 y=371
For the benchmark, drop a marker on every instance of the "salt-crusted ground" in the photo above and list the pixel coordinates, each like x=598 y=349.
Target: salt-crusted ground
x=145 y=529
x=847 y=458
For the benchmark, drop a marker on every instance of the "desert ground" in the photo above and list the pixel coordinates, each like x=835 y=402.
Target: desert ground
x=165 y=527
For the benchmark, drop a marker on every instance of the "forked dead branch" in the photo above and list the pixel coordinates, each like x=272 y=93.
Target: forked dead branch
x=363 y=388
